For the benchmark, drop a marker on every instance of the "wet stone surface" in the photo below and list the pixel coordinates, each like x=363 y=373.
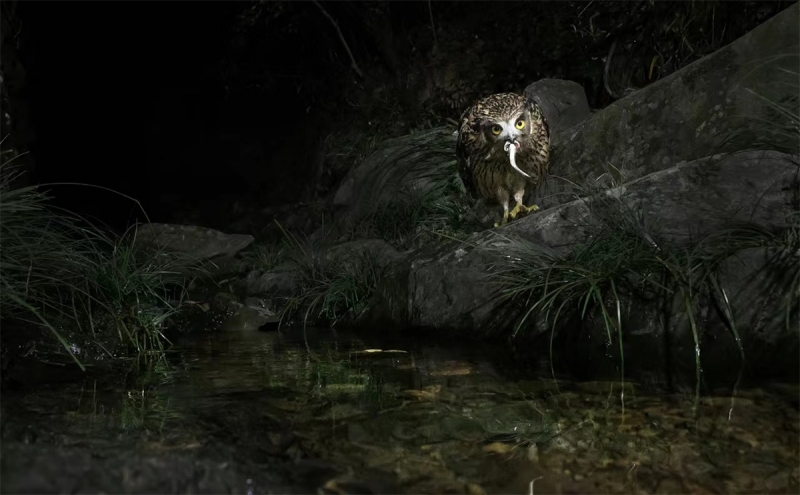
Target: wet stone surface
x=321 y=412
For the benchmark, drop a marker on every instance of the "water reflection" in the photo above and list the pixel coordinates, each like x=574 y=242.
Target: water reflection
x=436 y=419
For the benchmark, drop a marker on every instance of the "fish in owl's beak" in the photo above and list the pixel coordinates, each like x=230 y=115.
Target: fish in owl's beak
x=511 y=148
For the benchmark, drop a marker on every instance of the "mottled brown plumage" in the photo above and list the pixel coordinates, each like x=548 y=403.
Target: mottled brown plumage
x=485 y=158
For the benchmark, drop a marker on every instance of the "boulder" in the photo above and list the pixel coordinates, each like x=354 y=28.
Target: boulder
x=448 y=287
x=563 y=103
x=197 y=244
x=714 y=105
x=254 y=314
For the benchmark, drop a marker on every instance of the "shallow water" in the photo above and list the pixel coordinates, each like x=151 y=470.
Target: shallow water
x=323 y=412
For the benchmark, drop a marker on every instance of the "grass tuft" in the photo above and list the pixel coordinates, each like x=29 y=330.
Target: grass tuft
x=624 y=263
x=415 y=217
x=264 y=257
x=88 y=287
x=333 y=287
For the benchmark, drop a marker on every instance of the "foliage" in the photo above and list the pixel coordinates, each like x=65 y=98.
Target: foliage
x=779 y=127
x=624 y=263
x=412 y=192
x=416 y=216
x=336 y=287
x=264 y=257
x=62 y=272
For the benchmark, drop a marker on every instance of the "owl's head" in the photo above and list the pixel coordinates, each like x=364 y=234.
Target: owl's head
x=504 y=118
x=507 y=121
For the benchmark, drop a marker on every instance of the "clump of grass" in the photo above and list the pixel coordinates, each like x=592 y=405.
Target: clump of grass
x=781 y=266
x=349 y=295
x=624 y=262
x=411 y=192
x=415 y=216
x=264 y=257
x=621 y=259
x=332 y=287
x=777 y=126
x=80 y=282
x=423 y=158
x=142 y=288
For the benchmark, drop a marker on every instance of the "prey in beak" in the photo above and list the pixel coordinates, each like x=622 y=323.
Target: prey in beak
x=511 y=148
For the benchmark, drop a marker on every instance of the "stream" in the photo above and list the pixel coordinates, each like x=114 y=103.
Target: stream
x=323 y=411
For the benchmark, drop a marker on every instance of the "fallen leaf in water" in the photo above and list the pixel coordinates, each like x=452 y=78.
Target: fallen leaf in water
x=474 y=489
x=498 y=448
x=428 y=393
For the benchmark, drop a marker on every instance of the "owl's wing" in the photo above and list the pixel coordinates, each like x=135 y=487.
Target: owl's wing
x=465 y=165
x=540 y=135
x=543 y=128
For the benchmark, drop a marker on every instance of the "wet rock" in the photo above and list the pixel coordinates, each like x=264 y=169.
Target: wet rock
x=563 y=103
x=255 y=313
x=280 y=282
x=226 y=303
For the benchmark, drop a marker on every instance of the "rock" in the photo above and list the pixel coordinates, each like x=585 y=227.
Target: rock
x=199 y=243
x=563 y=103
x=450 y=287
x=226 y=303
x=686 y=201
x=213 y=250
x=280 y=282
x=254 y=314
x=694 y=112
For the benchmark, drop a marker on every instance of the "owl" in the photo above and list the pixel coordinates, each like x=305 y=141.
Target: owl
x=503 y=148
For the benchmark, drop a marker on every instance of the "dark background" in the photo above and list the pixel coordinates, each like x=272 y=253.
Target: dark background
x=206 y=110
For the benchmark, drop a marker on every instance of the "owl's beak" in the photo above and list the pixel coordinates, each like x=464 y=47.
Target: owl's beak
x=511 y=141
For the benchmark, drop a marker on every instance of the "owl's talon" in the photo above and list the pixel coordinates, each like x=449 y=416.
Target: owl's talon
x=503 y=221
x=520 y=208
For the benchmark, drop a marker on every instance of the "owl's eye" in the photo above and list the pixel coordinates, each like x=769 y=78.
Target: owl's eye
x=496 y=130
x=520 y=124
